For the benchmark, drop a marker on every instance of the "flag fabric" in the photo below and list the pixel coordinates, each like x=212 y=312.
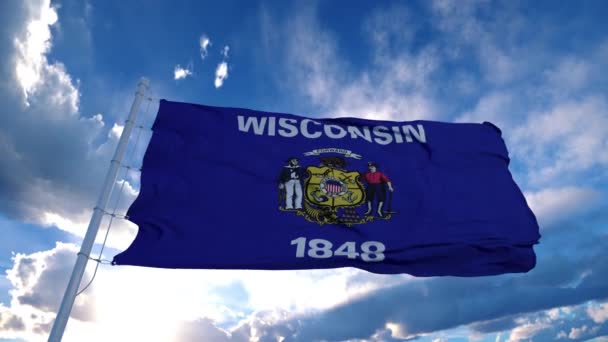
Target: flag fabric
x=231 y=188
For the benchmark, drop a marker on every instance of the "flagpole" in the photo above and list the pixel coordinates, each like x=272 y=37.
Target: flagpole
x=89 y=239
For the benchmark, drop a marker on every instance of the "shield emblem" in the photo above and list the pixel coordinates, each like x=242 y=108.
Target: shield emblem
x=331 y=187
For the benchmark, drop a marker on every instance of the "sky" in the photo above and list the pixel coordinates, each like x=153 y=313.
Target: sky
x=68 y=74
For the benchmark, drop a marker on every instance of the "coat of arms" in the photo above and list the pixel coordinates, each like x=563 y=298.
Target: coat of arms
x=331 y=193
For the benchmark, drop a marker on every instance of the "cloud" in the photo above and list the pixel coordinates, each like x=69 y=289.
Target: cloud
x=122 y=231
x=564 y=141
x=397 y=85
x=202 y=330
x=181 y=73
x=225 y=51
x=10 y=322
x=494 y=107
x=40 y=117
x=54 y=157
x=116 y=130
x=221 y=74
x=493 y=303
x=471 y=30
x=235 y=305
x=31 y=64
x=38 y=281
x=494 y=325
x=569 y=75
x=526 y=331
x=572 y=325
x=598 y=313
x=204 y=43
x=552 y=205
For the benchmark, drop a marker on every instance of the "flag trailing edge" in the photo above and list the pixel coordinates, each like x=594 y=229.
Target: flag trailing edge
x=231 y=188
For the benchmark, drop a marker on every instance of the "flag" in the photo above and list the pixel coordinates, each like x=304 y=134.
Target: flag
x=231 y=188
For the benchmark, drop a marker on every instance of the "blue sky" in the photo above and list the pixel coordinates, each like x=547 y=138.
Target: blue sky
x=69 y=69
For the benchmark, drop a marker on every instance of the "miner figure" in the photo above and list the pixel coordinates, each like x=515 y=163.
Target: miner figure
x=376 y=182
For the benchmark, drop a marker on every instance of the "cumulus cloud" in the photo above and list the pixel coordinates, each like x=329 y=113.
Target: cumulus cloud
x=598 y=313
x=204 y=43
x=526 y=331
x=31 y=48
x=181 y=73
x=10 y=322
x=443 y=303
x=221 y=305
x=202 y=330
x=571 y=326
x=40 y=117
x=116 y=131
x=38 y=281
x=221 y=74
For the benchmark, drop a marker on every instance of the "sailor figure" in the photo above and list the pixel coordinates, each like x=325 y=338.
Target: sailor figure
x=376 y=187
x=291 y=180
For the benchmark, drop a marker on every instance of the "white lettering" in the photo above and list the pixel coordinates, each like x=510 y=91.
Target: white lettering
x=382 y=135
x=304 y=129
x=371 y=251
x=356 y=133
x=287 y=127
x=258 y=126
x=271 y=126
x=398 y=137
x=328 y=131
x=418 y=134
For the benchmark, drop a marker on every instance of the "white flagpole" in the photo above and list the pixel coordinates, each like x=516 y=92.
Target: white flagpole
x=89 y=239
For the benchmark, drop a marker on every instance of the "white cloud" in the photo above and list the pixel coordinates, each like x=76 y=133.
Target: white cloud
x=122 y=232
x=38 y=280
x=493 y=107
x=128 y=190
x=569 y=138
x=396 y=86
x=181 y=73
x=398 y=331
x=225 y=51
x=204 y=44
x=570 y=74
x=551 y=205
x=599 y=313
x=32 y=69
x=54 y=155
x=576 y=333
x=464 y=33
x=221 y=74
x=198 y=300
x=116 y=131
x=526 y=331
x=64 y=223
x=31 y=61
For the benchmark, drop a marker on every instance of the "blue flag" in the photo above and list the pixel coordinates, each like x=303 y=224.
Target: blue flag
x=230 y=188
